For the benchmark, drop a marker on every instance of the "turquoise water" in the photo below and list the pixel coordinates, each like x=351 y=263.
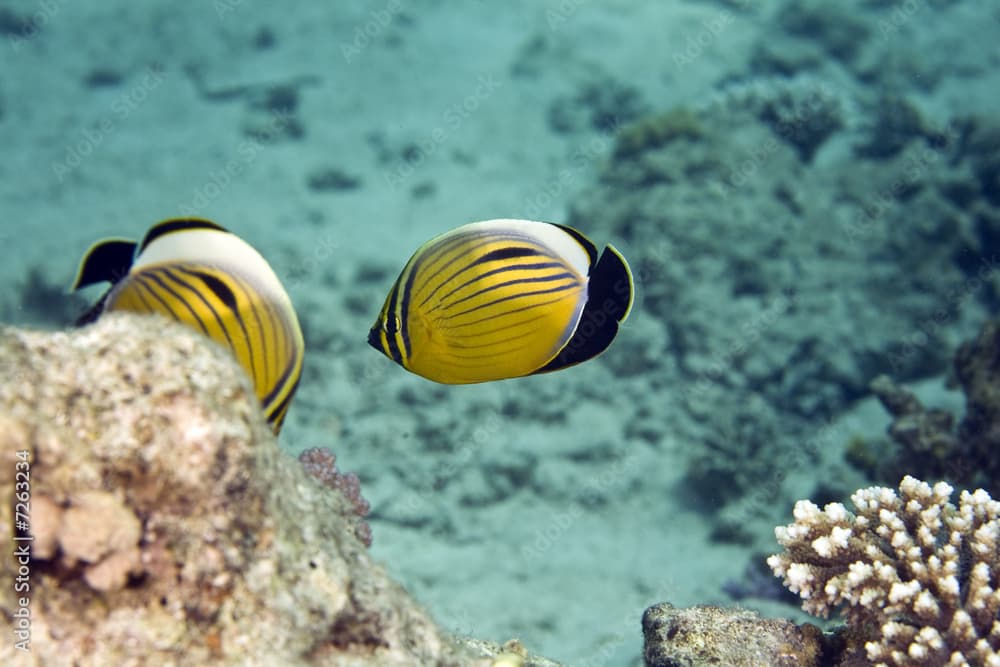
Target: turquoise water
x=807 y=193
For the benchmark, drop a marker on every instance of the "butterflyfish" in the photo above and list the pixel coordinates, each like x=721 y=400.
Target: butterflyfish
x=501 y=299
x=198 y=273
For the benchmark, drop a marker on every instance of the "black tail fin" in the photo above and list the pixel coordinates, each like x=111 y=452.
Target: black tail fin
x=610 y=293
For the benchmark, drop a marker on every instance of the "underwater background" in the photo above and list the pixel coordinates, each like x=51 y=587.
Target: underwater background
x=808 y=193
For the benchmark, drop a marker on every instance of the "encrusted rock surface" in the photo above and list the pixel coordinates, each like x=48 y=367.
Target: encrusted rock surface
x=168 y=526
x=707 y=635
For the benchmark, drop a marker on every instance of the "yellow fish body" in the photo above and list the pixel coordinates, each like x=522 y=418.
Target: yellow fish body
x=503 y=298
x=196 y=272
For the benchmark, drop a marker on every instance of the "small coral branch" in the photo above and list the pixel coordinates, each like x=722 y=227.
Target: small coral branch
x=916 y=577
x=321 y=464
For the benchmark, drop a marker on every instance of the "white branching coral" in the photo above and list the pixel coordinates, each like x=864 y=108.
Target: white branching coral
x=916 y=577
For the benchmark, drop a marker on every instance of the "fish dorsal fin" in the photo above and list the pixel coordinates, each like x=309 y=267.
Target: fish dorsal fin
x=161 y=229
x=584 y=242
x=106 y=261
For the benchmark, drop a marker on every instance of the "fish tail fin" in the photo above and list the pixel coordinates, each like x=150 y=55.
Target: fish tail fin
x=612 y=285
x=610 y=294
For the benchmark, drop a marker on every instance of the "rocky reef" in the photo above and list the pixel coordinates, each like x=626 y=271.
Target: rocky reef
x=927 y=441
x=160 y=523
x=710 y=635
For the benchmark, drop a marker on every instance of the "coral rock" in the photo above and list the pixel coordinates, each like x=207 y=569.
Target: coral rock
x=706 y=635
x=95 y=525
x=170 y=527
x=112 y=572
x=930 y=444
x=321 y=464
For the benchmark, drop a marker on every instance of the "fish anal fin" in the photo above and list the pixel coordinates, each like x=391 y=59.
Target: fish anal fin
x=92 y=313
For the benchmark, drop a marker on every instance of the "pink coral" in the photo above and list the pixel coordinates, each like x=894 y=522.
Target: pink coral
x=321 y=464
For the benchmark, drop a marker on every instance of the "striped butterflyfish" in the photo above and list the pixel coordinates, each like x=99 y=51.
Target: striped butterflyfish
x=501 y=299
x=198 y=273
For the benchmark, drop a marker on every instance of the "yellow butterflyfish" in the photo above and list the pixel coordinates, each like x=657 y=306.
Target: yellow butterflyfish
x=196 y=272
x=501 y=299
